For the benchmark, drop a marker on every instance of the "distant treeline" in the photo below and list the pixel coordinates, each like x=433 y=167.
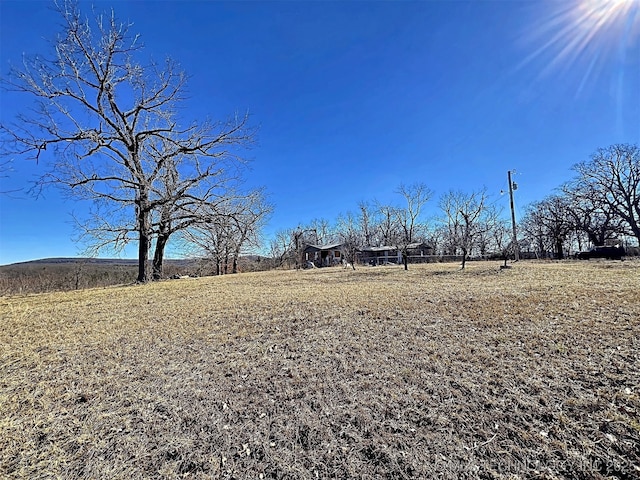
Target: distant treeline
x=63 y=274
x=39 y=277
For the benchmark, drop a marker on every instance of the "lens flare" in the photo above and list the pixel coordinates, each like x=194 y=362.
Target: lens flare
x=584 y=35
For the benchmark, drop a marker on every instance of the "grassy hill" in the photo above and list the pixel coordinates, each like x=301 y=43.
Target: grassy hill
x=530 y=372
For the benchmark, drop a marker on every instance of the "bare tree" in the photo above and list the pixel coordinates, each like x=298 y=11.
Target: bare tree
x=502 y=239
x=436 y=236
x=535 y=234
x=250 y=214
x=189 y=193
x=280 y=249
x=321 y=231
x=223 y=230
x=596 y=219
x=366 y=223
x=107 y=225
x=102 y=114
x=386 y=227
x=548 y=222
x=213 y=240
x=287 y=245
x=351 y=238
x=465 y=219
x=5 y=168
x=490 y=221
x=611 y=180
x=407 y=218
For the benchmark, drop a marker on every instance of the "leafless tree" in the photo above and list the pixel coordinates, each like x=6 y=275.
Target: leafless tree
x=502 y=239
x=189 y=195
x=407 y=218
x=288 y=244
x=250 y=215
x=366 y=223
x=535 y=235
x=107 y=225
x=490 y=221
x=591 y=216
x=386 y=227
x=610 y=180
x=280 y=249
x=435 y=236
x=213 y=241
x=351 y=237
x=319 y=231
x=465 y=219
x=549 y=224
x=102 y=114
x=225 y=229
x=5 y=168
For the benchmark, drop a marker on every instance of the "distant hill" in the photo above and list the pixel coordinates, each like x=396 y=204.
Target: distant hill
x=76 y=273
x=95 y=261
x=73 y=273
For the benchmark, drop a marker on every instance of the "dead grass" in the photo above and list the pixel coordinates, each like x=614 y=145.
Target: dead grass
x=531 y=372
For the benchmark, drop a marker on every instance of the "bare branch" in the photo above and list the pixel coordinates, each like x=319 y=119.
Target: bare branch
x=106 y=126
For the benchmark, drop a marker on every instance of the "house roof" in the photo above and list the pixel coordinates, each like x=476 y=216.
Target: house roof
x=388 y=248
x=330 y=246
x=378 y=249
x=418 y=245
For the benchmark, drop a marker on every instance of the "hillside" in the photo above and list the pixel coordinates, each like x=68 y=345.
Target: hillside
x=74 y=260
x=61 y=274
x=530 y=372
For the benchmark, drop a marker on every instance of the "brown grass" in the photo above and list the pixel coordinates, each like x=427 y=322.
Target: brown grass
x=531 y=372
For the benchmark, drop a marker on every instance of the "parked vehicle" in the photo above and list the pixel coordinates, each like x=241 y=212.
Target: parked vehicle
x=612 y=253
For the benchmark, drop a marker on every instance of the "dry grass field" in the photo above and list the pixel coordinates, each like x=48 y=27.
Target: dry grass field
x=529 y=372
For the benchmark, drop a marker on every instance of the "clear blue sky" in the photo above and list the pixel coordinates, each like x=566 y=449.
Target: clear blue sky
x=367 y=95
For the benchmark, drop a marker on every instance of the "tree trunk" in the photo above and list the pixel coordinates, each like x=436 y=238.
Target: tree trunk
x=405 y=260
x=235 y=263
x=636 y=231
x=158 y=256
x=464 y=258
x=144 y=231
x=559 y=252
x=164 y=232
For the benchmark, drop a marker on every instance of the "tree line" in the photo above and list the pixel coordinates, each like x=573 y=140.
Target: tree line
x=600 y=205
x=468 y=221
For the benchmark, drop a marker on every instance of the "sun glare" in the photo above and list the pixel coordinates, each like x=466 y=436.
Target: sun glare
x=584 y=38
x=601 y=15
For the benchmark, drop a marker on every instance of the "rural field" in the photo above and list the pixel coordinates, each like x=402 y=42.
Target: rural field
x=522 y=373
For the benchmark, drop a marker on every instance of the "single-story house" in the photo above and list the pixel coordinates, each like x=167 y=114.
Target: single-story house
x=392 y=254
x=419 y=249
x=322 y=255
x=379 y=255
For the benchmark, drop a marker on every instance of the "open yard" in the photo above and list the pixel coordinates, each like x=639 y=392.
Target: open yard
x=529 y=372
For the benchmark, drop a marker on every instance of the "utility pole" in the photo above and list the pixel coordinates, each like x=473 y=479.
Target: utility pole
x=516 y=252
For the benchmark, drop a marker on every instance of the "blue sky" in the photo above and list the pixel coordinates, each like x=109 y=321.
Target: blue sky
x=366 y=94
